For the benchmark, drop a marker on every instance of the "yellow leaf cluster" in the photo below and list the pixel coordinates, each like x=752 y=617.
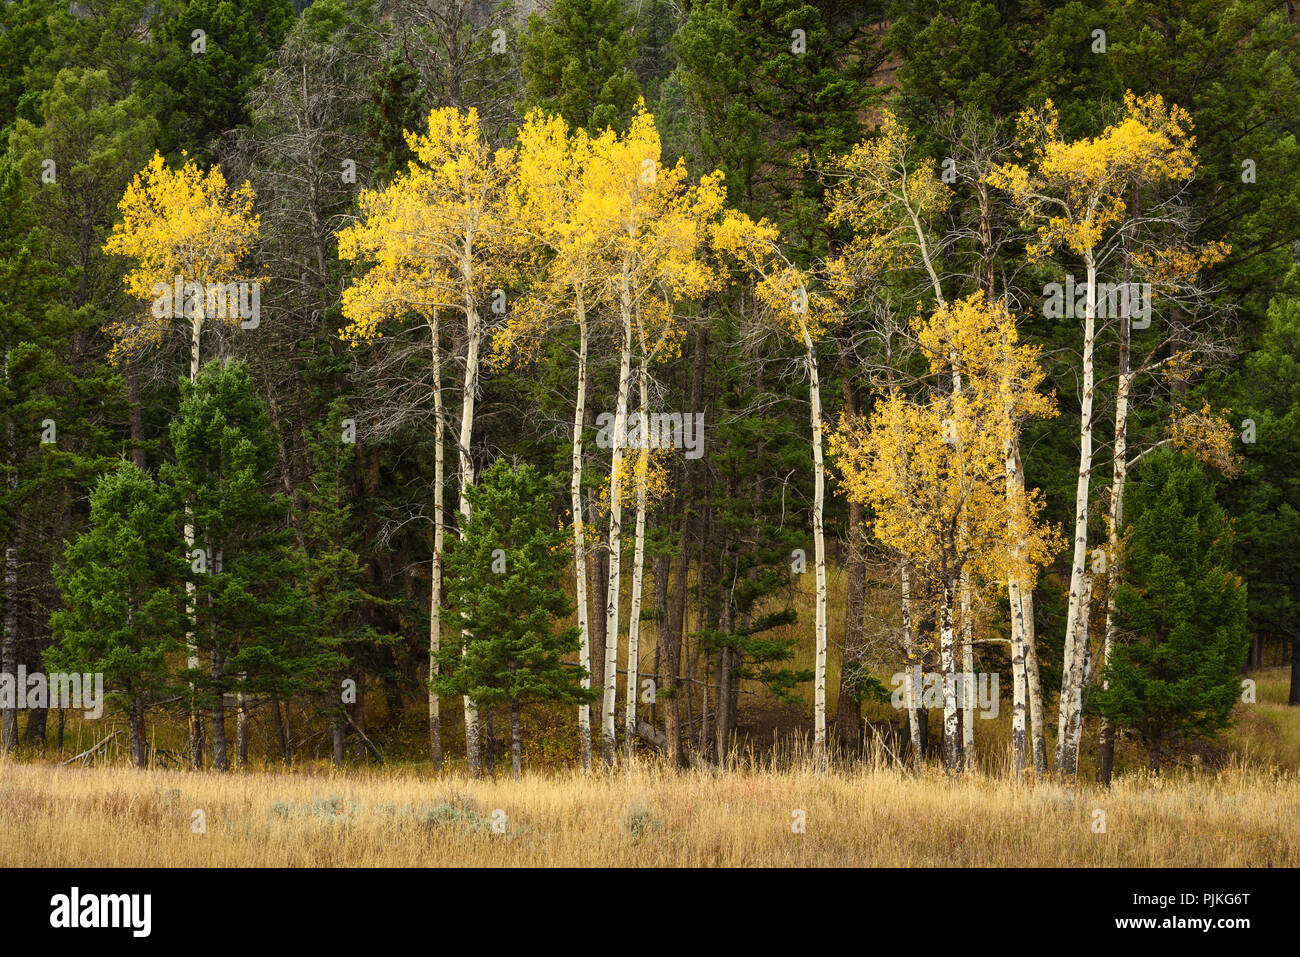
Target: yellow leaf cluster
x=430 y=234
x=183 y=222
x=1073 y=192
x=934 y=469
x=1206 y=435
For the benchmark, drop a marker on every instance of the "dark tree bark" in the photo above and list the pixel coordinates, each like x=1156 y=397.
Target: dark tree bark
x=241 y=733
x=516 y=742
x=281 y=738
x=1294 y=697
x=220 y=757
x=139 y=753
x=338 y=739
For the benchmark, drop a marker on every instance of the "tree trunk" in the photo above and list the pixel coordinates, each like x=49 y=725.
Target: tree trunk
x=220 y=759
x=1016 y=517
x=195 y=715
x=516 y=741
x=912 y=677
x=580 y=536
x=337 y=738
x=137 y=414
x=9 y=649
x=1294 y=696
x=608 y=740
x=278 y=723
x=241 y=733
x=1069 y=732
x=967 y=674
x=435 y=573
x=1115 y=520
x=819 y=550
x=1067 y=754
x=947 y=651
x=135 y=718
x=638 y=562
x=673 y=651
x=472 y=748
x=848 y=710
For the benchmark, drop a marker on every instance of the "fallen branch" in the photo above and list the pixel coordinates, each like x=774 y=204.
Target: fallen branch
x=379 y=755
x=90 y=750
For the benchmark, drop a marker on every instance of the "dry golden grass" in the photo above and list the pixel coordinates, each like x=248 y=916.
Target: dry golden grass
x=115 y=816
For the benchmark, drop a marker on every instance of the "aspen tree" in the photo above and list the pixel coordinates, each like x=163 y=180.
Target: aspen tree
x=805 y=313
x=187 y=233
x=440 y=226
x=653 y=226
x=399 y=286
x=1073 y=195
x=933 y=470
x=1171 y=272
x=657 y=336
x=548 y=204
x=888 y=195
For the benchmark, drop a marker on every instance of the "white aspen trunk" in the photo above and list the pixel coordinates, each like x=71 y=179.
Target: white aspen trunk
x=1025 y=615
x=1016 y=522
x=947 y=640
x=191 y=646
x=912 y=680
x=435 y=594
x=1073 y=731
x=1033 y=680
x=1018 y=678
x=1115 y=521
x=819 y=553
x=607 y=742
x=579 y=535
x=966 y=754
x=968 y=674
x=638 y=563
x=1067 y=755
x=474 y=332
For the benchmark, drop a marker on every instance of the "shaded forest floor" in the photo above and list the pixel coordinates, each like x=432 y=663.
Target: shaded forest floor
x=642 y=816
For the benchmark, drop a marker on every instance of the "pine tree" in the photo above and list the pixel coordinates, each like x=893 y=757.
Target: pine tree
x=215 y=71
x=1265 y=500
x=121 y=590
x=577 y=62
x=1181 y=611
x=504 y=582
x=248 y=615
x=333 y=577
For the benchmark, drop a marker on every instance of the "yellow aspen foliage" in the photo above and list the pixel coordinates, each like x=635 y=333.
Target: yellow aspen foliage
x=559 y=251
x=1171 y=268
x=784 y=289
x=1073 y=192
x=650 y=221
x=933 y=470
x=426 y=235
x=885 y=193
x=185 y=223
x=1206 y=435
